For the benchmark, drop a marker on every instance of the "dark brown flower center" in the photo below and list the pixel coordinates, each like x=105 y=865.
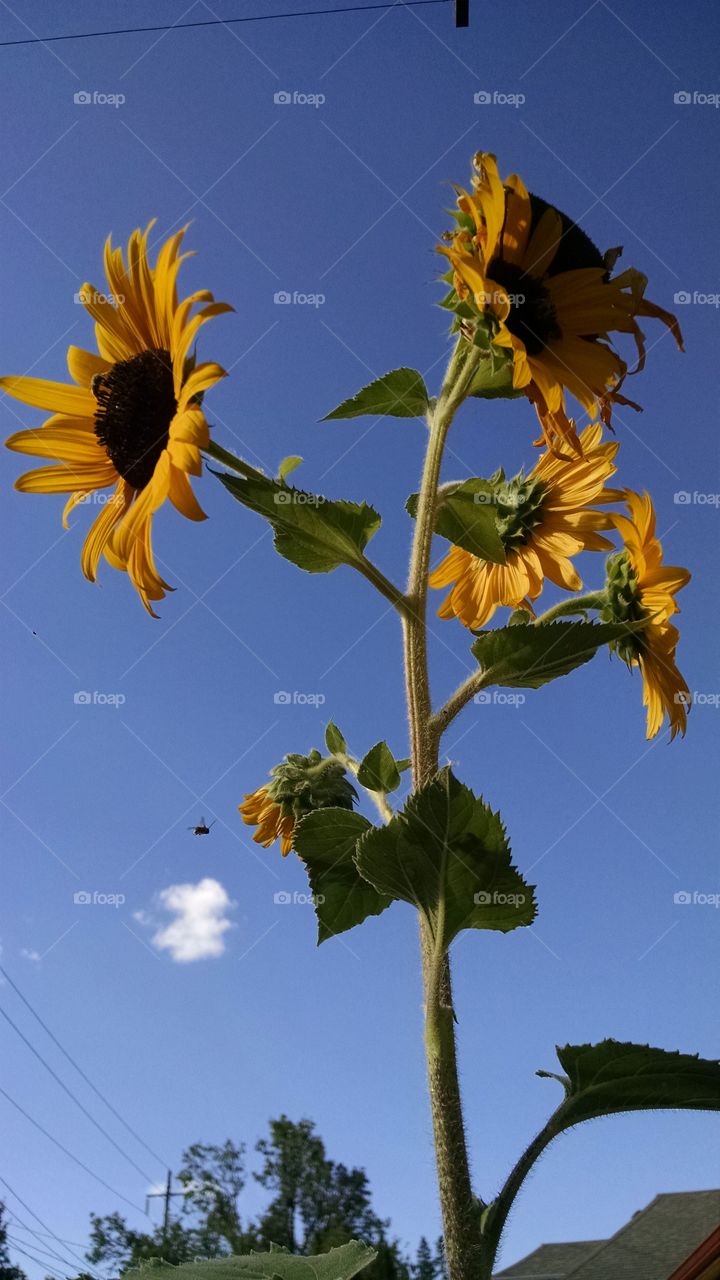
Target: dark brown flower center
x=135 y=406
x=532 y=317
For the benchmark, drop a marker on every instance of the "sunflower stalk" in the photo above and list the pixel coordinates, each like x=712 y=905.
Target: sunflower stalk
x=460 y=1219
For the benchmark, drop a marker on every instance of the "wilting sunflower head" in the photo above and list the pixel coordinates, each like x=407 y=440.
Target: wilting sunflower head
x=299 y=785
x=544 y=518
x=132 y=421
x=528 y=279
x=639 y=589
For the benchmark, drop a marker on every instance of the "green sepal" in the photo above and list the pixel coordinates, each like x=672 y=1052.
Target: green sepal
x=312 y=532
x=447 y=854
x=378 y=770
x=399 y=394
x=326 y=841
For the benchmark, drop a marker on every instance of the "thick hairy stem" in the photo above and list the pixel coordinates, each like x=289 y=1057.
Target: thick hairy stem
x=459 y=1210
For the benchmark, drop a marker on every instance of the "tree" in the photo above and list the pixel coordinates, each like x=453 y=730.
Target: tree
x=424 y=1267
x=8 y=1270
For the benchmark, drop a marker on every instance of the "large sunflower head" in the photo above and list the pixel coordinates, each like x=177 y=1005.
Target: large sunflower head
x=132 y=421
x=526 y=272
x=298 y=786
x=544 y=518
x=640 y=587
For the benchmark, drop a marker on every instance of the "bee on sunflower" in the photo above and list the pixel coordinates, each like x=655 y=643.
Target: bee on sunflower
x=640 y=587
x=526 y=272
x=543 y=518
x=132 y=421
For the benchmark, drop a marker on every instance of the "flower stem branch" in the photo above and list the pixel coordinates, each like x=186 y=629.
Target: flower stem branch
x=378 y=798
x=227 y=459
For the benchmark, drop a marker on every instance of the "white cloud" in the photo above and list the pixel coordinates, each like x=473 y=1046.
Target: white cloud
x=201 y=911
x=30 y=954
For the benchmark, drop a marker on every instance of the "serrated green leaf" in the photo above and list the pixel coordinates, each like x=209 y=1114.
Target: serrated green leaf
x=334 y=740
x=447 y=846
x=339 y=1264
x=378 y=770
x=326 y=841
x=614 y=1076
x=526 y=656
x=313 y=532
x=494 y=378
x=289 y=464
x=400 y=394
x=466 y=516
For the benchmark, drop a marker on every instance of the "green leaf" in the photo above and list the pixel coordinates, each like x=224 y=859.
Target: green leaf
x=378 y=770
x=291 y=463
x=339 y=1264
x=467 y=517
x=494 y=378
x=334 y=740
x=326 y=842
x=311 y=531
x=526 y=657
x=400 y=394
x=613 y=1076
x=448 y=847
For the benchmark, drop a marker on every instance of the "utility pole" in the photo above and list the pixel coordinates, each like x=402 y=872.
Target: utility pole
x=462 y=13
x=167 y=1195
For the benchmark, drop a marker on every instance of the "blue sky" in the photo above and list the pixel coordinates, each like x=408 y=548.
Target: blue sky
x=343 y=199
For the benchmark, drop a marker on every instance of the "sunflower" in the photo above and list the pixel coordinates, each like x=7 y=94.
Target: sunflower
x=299 y=785
x=260 y=810
x=546 y=291
x=544 y=518
x=132 y=421
x=639 y=586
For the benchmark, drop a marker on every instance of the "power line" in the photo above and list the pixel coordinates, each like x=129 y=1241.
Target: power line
x=44 y=1225
x=17 y=1245
x=222 y=22
x=71 y=1095
x=82 y=1073
x=60 y=1275
x=72 y=1157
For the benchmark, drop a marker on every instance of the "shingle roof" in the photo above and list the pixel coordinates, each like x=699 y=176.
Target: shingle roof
x=656 y=1240
x=649 y=1247
x=550 y=1261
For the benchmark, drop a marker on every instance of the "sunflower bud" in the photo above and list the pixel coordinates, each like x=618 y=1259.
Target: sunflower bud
x=300 y=785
